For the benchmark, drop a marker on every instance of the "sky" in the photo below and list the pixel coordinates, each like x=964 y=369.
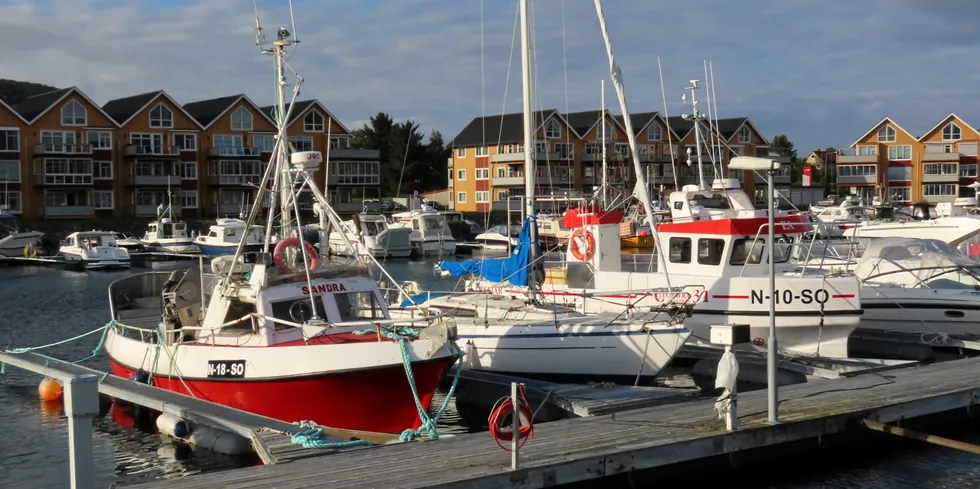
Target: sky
x=822 y=72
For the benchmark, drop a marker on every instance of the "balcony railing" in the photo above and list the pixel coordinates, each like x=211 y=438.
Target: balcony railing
x=515 y=157
x=868 y=179
x=234 y=180
x=157 y=180
x=232 y=151
x=850 y=155
x=939 y=156
x=63 y=179
x=59 y=148
x=156 y=150
x=508 y=181
x=68 y=210
x=151 y=210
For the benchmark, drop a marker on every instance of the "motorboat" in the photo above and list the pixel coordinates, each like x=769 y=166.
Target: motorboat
x=13 y=240
x=93 y=250
x=430 y=234
x=291 y=334
x=224 y=237
x=130 y=243
x=501 y=237
x=168 y=234
x=953 y=225
x=371 y=235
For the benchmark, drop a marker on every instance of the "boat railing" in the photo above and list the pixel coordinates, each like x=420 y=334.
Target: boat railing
x=921 y=281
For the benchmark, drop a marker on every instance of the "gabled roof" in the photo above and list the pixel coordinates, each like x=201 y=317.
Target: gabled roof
x=123 y=110
x=876 y=126
x=639 y=121
x=500 y=129
x=302 y=107
x=945 y=120
x=33 y=108
x=728 y=128
x=12 y=111
x=679 y=126
x=584 y=121
x=205 y=112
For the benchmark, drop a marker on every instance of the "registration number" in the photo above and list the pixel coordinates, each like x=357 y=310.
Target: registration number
x=226 y=368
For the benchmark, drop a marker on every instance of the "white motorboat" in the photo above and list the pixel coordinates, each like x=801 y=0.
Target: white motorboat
x=430 y=234
x=130 y=243
x=371 y=235
x=93 y=250
x=498 y=238
x=954 y=225
x=168 y=234
x=224 y=237
x=13 y=240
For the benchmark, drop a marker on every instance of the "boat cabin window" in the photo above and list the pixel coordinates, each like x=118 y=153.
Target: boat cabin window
x=8 y=225
x=713 y=201
x=168 y=231
x=784 y=247
x=710 y=251
x=213 y=234
x=680 y=250
x=373 y=228
x=415 y=225
x=237 y=310
x=358 y=305
x=747 y=251
x=297 y=310
x=433 y=224
x=229 y=232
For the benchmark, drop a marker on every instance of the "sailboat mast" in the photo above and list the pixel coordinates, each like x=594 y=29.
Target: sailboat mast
x=529 y=149
x=605 y=141
x=696 y=117
x=282 y=149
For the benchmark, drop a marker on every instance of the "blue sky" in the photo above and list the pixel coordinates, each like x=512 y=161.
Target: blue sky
x=819 y=71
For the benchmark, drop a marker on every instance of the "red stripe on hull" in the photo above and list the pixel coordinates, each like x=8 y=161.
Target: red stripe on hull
x=378 y=400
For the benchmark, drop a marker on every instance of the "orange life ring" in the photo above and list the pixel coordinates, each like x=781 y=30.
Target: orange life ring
x=277 y=254
x=577 y=252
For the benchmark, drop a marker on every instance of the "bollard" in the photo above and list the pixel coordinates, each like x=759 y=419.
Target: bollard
x=81 y=405
x=726 y=376
x=515 y=443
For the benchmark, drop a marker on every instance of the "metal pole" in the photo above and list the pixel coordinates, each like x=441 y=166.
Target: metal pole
x=772 y=365
x=515 y=445
x=605 y=202
x=81 y=405
x=731 y=419
x=530 y=164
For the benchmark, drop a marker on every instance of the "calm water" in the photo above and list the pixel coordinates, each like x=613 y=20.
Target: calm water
x=41 y=305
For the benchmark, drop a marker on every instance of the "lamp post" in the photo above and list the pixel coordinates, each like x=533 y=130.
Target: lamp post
x=769 y=166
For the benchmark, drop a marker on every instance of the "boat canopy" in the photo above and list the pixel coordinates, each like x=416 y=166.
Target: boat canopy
x=513 y=269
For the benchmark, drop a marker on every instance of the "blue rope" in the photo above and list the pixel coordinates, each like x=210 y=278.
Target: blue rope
x=95 y=352
x=313 y=438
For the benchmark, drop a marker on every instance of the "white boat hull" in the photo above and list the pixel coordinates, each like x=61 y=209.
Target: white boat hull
x=95 y=263
x=435 y=246
x=172 y=246
x=14 y=245
x=921 y=311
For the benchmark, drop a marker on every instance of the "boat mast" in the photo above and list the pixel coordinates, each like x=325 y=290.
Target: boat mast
x=696 y=117
x=605 y=142
x=529 y=149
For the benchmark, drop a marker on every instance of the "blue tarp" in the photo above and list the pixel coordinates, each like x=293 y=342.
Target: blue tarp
x=513 y=269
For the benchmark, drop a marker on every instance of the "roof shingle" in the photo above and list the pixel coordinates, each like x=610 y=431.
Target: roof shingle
x=499 y=129
x=34 y=106
x=206 y=111
x=122 y=109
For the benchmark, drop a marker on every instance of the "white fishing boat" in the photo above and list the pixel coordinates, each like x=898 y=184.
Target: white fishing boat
x=168 y=234
x=15 y=241
x=371 y=235
x=281 y=332
x=225 y=236
x=430 y=233
x=93 y=250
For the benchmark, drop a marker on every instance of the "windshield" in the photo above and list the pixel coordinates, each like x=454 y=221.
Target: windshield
x=8 y=225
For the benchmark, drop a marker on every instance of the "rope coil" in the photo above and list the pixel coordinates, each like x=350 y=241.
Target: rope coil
x=313 y=438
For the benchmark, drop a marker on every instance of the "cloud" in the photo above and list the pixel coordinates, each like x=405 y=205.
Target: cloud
x=821 y=72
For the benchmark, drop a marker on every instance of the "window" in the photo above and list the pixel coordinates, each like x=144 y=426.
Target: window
x=745 y=135
x=339 y=142
x=680 y=250
x=237 y=172
x=623 y=149
x=501 y=172
x=951 y=132
x=99 y=139
x=461 y=197
x=302 y=143
x=460 y=152
x=353 y=306
x=102 y=199
x=510 y=148
x=886 y=135
x=737 y=151
x=102 y=170
x=264 y=142
x=241 y=120
x=867 y=150
x=552 y=129
x=460 y=175
x=73 y=114
x=593 y=149
x=566 y=151
x=58 y=141
x=188 y=170
x=482 y=151
x=903 y=152
x=482 y=196
x=501 y=195
x=147 y=143
x=229 y=145
x=10 y=201
x=655 y=132
x=66 y=198
x=65 y=171
x=540 y=147
x=313 y=122
x=939 y=189
x=144 y=168
x=482 y=173
x=968 y=170
x=9 y=171
x=185 y=141
x=161 y=116
x=747 y=251
x=605 y=132
x=947 y=148
x=900 y=173
x=710 y=251
x=900 y=194
x=857 y=170
x=358 y=172
x=940 y=169
x=188 y=198
x=9 y=140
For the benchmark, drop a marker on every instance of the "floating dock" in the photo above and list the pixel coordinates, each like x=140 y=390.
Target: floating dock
x=590 y=448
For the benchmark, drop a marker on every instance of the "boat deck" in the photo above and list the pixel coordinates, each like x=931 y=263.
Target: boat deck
x=588 y=448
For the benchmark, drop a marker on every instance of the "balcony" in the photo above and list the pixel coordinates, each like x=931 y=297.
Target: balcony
x=234 y=180
x=355 y=206
x=233 y=151
x=508 y=181
x=554 y=180
x=939 y=156
x=518 y=157
x=136 y=150
x=939 y=198
x=157 y=180
x=68 y=210
x=233 y=209
x=63 y=180
x=62 y=149
x=942 y=177
x=151 y=210
x=857 y=179
x=846 y=156
x=354 y=154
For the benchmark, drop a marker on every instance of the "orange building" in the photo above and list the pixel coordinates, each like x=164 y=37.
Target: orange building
x=889 y=161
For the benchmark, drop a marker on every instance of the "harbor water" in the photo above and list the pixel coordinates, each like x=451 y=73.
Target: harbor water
x=44 y=305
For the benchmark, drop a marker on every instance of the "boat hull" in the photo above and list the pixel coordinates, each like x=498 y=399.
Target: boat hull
x=174 y=246
x=225 y=249
x=14 y=245
x=921 y=311
x=435 y=246
x=88 y=263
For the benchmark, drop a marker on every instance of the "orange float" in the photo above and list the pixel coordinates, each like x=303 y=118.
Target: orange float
x=50 y=390
x=577 y=251
x=280 y=250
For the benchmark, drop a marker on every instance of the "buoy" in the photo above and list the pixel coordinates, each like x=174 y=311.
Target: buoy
x=172 y=425
x=50 y=390
x=141 y=376
x=643 y=234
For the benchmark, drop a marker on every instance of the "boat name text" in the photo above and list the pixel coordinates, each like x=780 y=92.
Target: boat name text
x=226 y=368
x=324 y=288
x=804 y=296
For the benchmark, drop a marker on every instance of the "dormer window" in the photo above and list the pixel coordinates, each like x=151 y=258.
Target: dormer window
x=241 y=120
x=161 y=116
x=73 y=114
x=313 y=122
x=745 y=135
x=552 y=129
x=951 y=132
x=886 y=135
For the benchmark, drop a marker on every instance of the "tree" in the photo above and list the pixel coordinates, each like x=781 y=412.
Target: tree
x=406 y=163
x=782 y=145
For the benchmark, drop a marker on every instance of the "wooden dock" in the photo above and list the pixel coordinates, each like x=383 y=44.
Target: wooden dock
x=588 y=448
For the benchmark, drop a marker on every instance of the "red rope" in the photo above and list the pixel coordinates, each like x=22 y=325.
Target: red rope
x=505 y=432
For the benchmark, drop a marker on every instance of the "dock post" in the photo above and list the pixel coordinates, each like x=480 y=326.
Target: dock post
x=81 y=405
x=515 y=443
x=726 y=376
x=731 y=415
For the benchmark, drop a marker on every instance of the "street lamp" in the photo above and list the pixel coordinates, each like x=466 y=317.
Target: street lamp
x=769 y=166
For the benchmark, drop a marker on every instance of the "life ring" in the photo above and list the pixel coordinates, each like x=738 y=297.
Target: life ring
x=277 y=255
x=573 y=244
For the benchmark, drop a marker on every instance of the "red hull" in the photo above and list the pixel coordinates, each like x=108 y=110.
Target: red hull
x=378 y=400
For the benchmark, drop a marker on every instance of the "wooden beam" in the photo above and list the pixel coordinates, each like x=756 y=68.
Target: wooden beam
x=916 y=435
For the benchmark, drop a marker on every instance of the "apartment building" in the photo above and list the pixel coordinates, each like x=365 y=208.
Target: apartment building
x=487 y=163
x=63 y=155
x=889 y=161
